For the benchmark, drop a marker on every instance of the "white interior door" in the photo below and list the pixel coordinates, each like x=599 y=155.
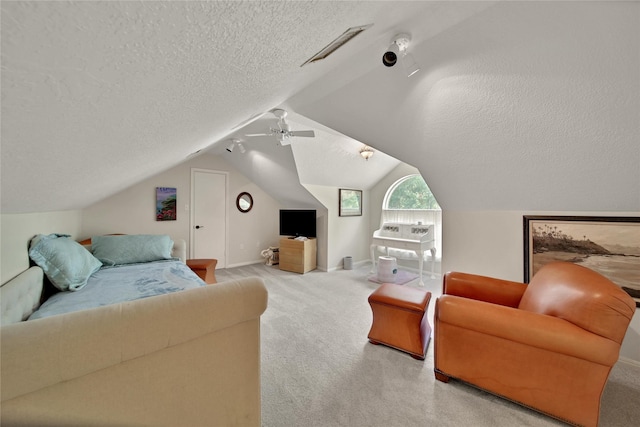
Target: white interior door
x=209 y=215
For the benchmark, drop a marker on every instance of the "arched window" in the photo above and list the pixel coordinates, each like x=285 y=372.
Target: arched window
x=410 y=192
x=410 y=201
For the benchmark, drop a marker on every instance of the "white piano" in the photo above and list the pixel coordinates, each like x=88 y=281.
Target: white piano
x=414 y=237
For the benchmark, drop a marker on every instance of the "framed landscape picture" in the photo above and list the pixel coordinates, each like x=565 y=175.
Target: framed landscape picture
x=350 y=202
x=166 y=204
x=608 y=245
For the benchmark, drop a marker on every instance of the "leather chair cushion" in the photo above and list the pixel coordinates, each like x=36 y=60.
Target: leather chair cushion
x=402 y=297
x=574 y=293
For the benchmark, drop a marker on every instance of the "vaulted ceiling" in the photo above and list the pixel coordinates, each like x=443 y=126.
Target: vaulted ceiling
x=518 y=105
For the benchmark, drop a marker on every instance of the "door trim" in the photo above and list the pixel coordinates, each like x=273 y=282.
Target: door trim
x=226 y=213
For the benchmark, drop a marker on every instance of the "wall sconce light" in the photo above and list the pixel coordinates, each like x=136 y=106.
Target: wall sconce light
x=398 y=49
x=366 y=152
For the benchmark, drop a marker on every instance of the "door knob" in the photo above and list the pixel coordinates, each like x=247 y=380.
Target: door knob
x=199 y=226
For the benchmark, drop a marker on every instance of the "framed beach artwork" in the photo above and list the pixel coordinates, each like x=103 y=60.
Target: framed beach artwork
x=608 y=245
x=166 y=206
x=350 y=202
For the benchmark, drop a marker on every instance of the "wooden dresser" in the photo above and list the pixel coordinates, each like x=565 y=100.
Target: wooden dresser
x=298 y=256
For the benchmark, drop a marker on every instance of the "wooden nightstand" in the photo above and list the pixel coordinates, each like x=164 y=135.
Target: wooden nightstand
x=204 y=268
x=298 y=256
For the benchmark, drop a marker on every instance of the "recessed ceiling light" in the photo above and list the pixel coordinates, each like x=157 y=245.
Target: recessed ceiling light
x=336 y=44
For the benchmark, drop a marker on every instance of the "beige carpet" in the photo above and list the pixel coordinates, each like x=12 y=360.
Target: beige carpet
x=402 y=277
x=318 y=369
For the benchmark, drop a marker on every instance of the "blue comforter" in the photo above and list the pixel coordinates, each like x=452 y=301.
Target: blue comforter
x=112 y=285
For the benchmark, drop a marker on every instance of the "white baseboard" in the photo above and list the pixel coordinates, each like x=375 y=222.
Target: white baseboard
x=341 y=267
x=240 y=264
x=628 y=361
x=361 y=263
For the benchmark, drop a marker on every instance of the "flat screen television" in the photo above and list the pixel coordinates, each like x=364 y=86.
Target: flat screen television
x=298 y=222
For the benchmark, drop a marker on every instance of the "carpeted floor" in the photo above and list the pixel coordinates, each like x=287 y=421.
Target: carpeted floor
x=402 y=277
x=318 y=369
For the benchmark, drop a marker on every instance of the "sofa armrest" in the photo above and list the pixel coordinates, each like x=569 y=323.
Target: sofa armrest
x=482 y=288
x=20 y=296
x=39 y=353
x=536 y=330
x=179 y=249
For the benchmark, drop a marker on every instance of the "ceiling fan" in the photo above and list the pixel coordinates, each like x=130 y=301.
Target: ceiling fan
x=283 y=132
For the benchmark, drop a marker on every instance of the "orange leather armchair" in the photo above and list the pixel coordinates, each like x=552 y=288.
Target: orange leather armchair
x=549 y=345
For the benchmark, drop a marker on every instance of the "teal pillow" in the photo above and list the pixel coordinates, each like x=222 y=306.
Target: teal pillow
x=65 y=262
x=130 y=249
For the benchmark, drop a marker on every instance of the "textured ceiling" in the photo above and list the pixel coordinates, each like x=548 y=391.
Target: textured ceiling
x=329 y=159
x=527 y=106
x=99 y=95
x=519 y=105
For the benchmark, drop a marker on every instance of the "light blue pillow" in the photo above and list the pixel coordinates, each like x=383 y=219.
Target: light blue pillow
x=131 y=248
x=65 y=262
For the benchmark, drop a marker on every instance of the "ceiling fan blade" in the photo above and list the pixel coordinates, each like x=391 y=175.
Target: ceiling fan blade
x=307 y=133
x=258 y=134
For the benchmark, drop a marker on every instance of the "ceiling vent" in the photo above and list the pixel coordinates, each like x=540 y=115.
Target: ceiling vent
x=336 y=44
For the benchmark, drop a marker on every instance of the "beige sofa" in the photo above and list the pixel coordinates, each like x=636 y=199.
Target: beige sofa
x=190 y=358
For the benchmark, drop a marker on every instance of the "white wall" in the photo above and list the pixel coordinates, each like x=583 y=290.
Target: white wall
x=491 y=243
x=486 y=243
x=527 y=105
x=132 y=211
x=18 y=229
x=346 y=236
x=253 y=231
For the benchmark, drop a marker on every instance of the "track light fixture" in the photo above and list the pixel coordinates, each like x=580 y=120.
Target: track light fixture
x=398 y=50
x=390 y=57
x=235 y=143
x=410 y=65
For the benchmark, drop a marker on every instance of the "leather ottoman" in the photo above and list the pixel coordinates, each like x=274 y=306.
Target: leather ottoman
x=400 y=318
x=204 y=268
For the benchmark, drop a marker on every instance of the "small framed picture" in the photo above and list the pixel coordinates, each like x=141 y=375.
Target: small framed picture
x=350 y=202
x=166 y=204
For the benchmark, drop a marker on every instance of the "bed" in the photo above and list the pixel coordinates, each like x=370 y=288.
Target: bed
x=183 y=353
x=107 y=270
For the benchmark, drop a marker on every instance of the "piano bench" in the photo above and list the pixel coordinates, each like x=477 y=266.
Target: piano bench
x=400 y=319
